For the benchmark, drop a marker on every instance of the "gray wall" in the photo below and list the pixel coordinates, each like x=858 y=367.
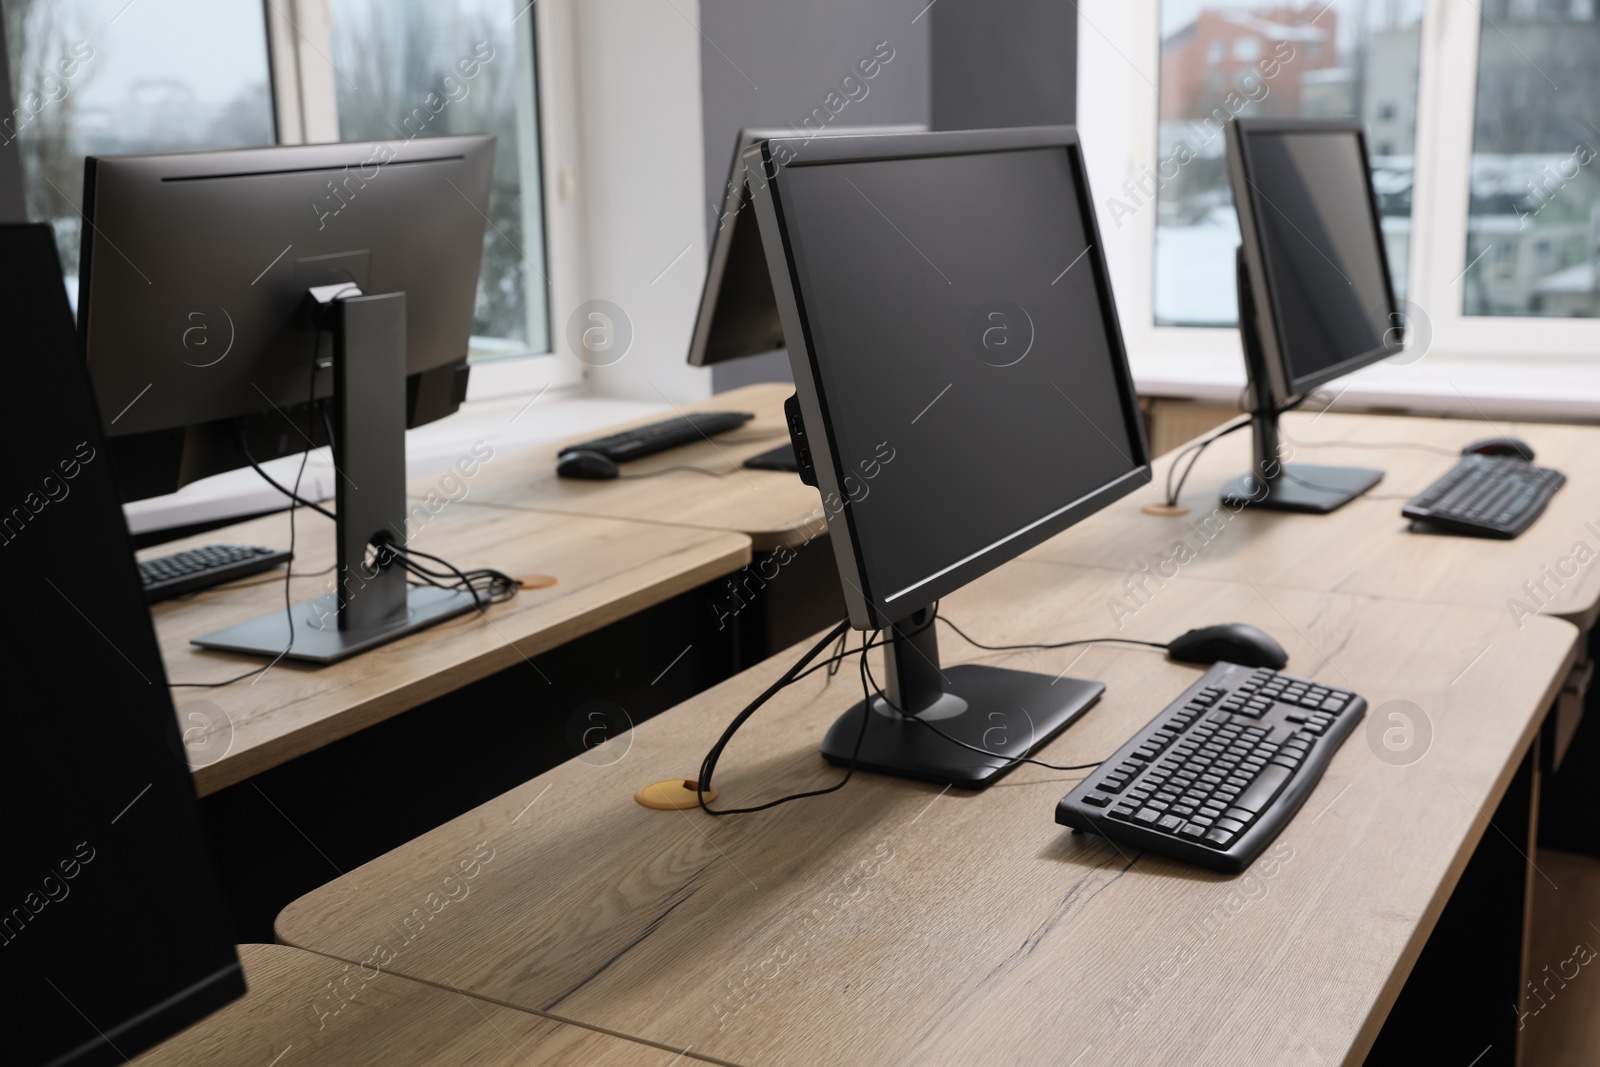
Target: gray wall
x=792 y=55
x=959 y=64
x=1004 y=63
x=12 y=205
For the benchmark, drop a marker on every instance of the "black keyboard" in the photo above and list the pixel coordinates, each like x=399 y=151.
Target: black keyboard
x=201 y=568
x=1216 y=776
x=1486 y=496
x=659 y=436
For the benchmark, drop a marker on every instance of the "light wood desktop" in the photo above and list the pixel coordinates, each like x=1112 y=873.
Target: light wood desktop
x=771 y=507
x=604 y=570
x=1365 y=547
x=895 y=922
x=305 y=1010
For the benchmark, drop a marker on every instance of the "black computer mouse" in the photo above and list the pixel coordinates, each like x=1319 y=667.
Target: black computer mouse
x=1499 y=446
x=582 y=463
x=1232 y=642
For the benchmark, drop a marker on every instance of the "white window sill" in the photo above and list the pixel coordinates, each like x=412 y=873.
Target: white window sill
x=1468 y=386
x=509 y=423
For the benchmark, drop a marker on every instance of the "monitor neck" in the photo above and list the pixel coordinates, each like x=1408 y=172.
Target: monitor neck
x=911 y=657
x=1263 y=410
x=369 y=455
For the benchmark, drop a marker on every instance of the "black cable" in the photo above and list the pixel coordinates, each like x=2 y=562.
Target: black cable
x=230 y=586
x=805 y=666
x=293 y=495
x=692 y=470
x=1063 y=644
x=1200 y=446
x=1197 y=448
x=833 y=664
x=498 y=586
x=708 y=766
x=1383 y=445
x=288 y=570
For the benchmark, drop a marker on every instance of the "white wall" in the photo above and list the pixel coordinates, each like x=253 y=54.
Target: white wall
x=643 y=176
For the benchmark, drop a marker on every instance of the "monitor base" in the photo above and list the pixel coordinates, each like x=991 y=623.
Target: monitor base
x=778 y=459
x=317 y=636
x=1301 y=487
x=1010 y=713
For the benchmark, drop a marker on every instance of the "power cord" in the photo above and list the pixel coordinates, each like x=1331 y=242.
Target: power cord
x=691 y=470
x=839 y=634
x=1382 y=445
x=1063 y=644
x=708 y=766
x=293 y=495
x=1199 y=447
x=498 y=586
x=288 y=570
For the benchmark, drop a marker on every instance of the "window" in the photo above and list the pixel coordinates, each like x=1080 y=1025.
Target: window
x=1247 y=49
x=102 y=76
x=109 y=76
x=1316 y=61
x=1534 y=162
x=408 y=70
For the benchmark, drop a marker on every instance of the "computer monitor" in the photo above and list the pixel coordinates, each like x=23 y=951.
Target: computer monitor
x=1315 y=297
x=738 y=316
x=194 y=273
x=112 y=928
x=226 y=297
x=962 y=394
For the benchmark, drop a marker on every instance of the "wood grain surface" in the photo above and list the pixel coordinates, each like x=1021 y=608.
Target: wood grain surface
x=1365 y=547
x=605 y=570
x=771 y=507
x=305 y=1010
x=897 y=923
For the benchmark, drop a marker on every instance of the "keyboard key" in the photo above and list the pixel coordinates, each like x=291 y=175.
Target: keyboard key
x=1220 y=838
x=1264 y=788
x=1170 y=823
x=1147 y=815
x=1098 y=800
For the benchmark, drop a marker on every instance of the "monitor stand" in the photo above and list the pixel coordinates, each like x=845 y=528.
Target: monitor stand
x=1009 y=713
x=1271 y=484
x=372 y=604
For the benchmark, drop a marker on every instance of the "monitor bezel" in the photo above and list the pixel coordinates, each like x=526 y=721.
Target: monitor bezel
x=1282 y=384
x=867 y=607
x=734 y=198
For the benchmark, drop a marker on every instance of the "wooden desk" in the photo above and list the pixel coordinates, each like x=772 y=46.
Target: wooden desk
x=295 y=1016
x=605 y=570
x=893 y=922
x=771 y=507
x=1364 y=547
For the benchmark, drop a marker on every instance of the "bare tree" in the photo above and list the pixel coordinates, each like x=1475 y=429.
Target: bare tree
x=45 y=45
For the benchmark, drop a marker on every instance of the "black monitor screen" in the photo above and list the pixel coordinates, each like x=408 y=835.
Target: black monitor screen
x=957 y=322
x=1323 y=248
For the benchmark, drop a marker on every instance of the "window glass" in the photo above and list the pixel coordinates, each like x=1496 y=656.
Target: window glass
x=409 y=69
x=1221 y=59
x=96 y=77
x=1533 y=225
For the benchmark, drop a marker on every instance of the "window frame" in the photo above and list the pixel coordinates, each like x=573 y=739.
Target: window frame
x=1119 y=65
x=305 y=102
